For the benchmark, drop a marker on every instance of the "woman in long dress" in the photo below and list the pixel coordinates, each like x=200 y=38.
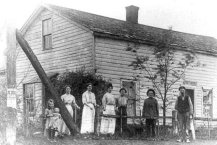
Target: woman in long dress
x=68 y=100
x=88 y=114
x=109 y=106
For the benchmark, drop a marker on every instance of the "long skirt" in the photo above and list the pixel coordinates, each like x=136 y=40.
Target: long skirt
x=64 y=129
x=108 y=124
x=88 y=116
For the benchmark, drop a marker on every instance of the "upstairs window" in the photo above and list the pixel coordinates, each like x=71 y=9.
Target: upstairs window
x=47 y=33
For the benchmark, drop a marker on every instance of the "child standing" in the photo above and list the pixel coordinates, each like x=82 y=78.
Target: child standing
x=54 y=124
x=48 y=113
x=52 y=120
x=151 y=113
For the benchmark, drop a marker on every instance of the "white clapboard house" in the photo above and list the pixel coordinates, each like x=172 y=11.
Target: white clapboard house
x=65 y=39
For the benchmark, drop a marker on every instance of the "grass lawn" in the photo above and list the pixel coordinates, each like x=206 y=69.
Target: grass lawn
x=93 y=140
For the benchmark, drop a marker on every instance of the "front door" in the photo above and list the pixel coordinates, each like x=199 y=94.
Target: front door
x=190 y=92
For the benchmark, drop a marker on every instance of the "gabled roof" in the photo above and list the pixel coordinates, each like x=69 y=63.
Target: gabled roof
x=125 y=30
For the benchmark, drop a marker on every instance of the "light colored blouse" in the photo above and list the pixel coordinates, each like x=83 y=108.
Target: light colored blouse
x=68 y=99
x=88 y=97
x=122 y=101
x=108 y=99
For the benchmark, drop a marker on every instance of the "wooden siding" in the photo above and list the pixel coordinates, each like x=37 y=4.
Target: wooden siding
x=37 y=119
x=112 y=61
x=71 y=49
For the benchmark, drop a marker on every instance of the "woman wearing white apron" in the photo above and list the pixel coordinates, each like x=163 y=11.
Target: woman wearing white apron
x=109 y=106
x=68 y=100
x=88 y=114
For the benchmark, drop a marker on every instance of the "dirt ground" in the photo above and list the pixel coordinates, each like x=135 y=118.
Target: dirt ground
x=40 y=140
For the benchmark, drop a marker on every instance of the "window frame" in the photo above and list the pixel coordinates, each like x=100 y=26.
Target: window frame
x=49 y=34
x=28 y=112
x=210 y=112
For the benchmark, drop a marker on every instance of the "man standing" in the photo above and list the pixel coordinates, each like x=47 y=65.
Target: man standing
x=184 y=109
x=151 y=113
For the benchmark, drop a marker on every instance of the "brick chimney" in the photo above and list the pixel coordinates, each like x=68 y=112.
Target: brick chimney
x=132 y=14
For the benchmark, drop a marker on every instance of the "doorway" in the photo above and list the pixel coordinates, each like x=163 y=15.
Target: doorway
x=190 y=93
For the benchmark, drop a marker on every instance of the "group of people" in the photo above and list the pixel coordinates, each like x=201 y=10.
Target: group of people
x=112 y=107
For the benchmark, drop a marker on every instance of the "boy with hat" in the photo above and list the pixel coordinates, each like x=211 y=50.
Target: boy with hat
x=151 y=113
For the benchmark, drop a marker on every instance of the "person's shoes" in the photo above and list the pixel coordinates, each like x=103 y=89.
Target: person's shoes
x=179 y=140
x=188 y=141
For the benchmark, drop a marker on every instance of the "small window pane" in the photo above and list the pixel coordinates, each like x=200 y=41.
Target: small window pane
x=47 y=42
x=47 y=27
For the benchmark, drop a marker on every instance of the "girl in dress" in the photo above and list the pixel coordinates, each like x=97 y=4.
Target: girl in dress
x=48 y=114
x=88 y=114
x=68 y=100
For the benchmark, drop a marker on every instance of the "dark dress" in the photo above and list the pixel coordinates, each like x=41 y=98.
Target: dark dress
x=122 y=111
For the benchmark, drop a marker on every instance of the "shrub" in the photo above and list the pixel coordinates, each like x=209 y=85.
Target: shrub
x=77 y=81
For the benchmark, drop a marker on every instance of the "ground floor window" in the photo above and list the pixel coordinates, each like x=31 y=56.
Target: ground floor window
x=29 y=104
x=207 y=102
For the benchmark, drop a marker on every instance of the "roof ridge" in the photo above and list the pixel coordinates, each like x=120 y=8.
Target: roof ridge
x=85 y=12
x=123 y=29
x=139 y=24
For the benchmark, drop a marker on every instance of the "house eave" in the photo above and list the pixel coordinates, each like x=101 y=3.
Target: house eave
x=31 y=19
x=119 y=37
x=152 y=43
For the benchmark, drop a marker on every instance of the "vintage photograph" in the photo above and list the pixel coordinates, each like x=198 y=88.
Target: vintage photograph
x=100 y=72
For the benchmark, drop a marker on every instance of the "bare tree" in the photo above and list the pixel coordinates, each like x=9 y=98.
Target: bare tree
x=164 y=69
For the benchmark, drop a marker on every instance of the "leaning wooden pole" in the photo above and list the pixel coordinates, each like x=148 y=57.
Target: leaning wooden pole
x=42 y=75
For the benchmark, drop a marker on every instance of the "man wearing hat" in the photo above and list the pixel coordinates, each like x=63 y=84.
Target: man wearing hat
x=184 y=109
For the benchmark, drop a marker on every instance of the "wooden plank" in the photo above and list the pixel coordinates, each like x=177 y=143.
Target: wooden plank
x=64 y=112
x=68 y=60
x=64 y=52
x=116 y=48
x=77 y=40
x=86 y=47
x=73 y=37
x=65 y=33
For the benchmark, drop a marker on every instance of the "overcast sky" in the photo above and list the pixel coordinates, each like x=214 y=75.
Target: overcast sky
x=190 y=16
